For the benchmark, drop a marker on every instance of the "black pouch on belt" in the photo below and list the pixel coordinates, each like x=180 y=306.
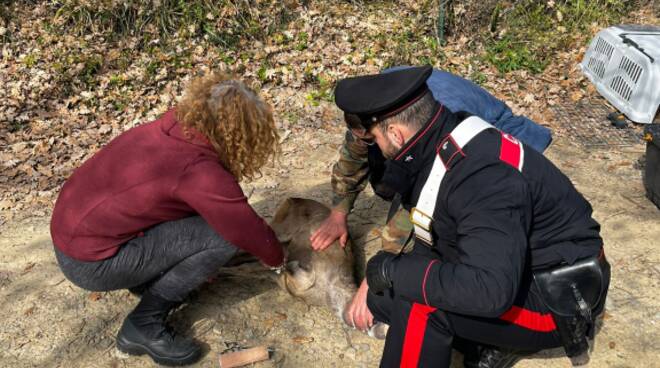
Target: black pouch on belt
x=573 y=293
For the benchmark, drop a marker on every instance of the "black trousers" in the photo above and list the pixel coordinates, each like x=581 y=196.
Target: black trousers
x=422 y=336
x=170 y=260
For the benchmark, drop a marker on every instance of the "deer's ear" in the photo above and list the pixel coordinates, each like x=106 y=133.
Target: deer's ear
x=284 y=234
x=282 y=212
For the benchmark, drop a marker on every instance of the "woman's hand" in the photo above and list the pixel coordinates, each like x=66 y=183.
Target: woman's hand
x=281 y=267
x=333 y=228
x=357 y=314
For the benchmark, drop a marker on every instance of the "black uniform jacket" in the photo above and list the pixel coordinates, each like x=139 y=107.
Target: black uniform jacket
x=492 y=224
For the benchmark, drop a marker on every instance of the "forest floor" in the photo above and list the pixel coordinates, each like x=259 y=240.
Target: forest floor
x=49 y=322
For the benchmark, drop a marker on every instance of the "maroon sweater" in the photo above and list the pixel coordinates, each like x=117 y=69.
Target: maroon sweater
x=148 y=175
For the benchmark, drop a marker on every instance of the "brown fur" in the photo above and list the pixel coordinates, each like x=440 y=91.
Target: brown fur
x=324 y=278
x=320 y=278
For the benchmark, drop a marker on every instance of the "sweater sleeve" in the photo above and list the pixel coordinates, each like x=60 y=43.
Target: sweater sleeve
x=214 y=193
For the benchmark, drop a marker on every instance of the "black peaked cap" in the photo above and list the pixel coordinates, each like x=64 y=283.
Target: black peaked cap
x=375 y=97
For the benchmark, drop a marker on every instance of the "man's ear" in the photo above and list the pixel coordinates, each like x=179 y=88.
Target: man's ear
x=396 y=134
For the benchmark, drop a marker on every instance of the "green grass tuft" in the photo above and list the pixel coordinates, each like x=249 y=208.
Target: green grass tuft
x=535 y=30
x=508 y=55
x=223 y=23
x=324 y=90
x=30 y=60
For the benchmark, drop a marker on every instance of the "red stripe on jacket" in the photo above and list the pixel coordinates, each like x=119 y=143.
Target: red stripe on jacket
x=510 y=151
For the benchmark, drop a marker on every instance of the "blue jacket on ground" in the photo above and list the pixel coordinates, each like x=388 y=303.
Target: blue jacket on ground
x=458 y=94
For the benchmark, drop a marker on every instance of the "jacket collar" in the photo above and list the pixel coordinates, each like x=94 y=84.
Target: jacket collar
x=416 y=154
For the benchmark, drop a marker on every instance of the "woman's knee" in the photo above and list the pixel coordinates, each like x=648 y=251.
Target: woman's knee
x=95 y=276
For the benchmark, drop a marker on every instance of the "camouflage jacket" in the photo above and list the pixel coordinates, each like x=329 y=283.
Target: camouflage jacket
x=350 y=174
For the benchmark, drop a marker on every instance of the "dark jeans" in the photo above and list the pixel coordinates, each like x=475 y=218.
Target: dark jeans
x=171 y=260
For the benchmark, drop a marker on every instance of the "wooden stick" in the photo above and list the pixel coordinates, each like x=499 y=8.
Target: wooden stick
x=243 y=357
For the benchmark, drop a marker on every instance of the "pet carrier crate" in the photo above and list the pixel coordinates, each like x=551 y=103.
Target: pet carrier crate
x=623 y=62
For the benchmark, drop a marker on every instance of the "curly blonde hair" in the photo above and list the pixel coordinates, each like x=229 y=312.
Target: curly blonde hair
x=239 y=124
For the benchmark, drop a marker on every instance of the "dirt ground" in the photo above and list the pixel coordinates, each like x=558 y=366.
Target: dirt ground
x=49 y=322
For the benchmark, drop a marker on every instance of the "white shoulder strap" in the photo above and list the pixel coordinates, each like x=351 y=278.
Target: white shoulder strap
x=422 y=215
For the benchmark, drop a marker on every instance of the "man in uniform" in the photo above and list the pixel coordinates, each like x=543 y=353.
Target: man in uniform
x=506 y=255
x=359 y=159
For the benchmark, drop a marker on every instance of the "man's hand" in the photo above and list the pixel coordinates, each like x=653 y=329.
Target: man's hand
x=333 y=228
x=380 y=270
x=357 y=313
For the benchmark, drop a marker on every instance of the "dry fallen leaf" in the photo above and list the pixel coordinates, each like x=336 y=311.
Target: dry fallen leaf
x=28 y=268
x=19 y=147
x=105 y=128
x=576 y=96
x=29 y=311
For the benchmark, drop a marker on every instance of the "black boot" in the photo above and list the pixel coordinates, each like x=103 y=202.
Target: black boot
x=144 y=332
x=492 y=357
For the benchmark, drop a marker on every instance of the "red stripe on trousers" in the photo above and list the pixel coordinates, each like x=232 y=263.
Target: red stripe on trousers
x=510 y=151
x=530 y=320
x=412 y=343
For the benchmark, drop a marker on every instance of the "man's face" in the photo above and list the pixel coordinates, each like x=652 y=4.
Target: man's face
x=387 y=146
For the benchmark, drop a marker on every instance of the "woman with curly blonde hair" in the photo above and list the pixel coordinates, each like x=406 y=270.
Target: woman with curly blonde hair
x=159 y=209
x=238 y=124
